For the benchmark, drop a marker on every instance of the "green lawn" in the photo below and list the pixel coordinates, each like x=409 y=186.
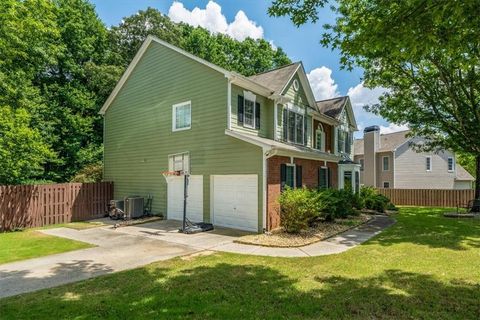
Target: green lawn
x=424 y=267
x=30 y=243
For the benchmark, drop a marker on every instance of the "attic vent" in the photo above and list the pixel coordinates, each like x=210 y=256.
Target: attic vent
x=295 y=85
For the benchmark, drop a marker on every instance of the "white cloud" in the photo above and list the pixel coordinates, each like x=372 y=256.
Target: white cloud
x=212 y=19
x=323 y=86
x=361 y=96
x=392 y=127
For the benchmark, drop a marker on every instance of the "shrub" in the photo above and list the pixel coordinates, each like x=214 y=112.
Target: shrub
x=335 y=203
x=298 y=208
x=373 y=200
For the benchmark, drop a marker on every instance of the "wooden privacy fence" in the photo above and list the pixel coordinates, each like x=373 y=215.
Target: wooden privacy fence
x=428 y=197
x=27 y=206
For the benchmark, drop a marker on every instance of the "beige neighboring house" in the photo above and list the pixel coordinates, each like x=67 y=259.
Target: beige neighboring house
x=388 y=161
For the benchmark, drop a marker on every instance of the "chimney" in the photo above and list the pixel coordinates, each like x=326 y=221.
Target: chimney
x=371 y=144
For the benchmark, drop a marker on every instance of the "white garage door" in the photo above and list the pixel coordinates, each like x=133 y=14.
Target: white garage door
x=194 y=200
x=235 y=201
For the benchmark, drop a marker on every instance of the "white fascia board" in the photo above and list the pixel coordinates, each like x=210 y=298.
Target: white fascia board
x=140 y=54
x=324 y=118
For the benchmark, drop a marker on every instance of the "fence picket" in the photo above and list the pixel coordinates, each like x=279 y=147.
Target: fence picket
x=428 y=197
x=28 y=206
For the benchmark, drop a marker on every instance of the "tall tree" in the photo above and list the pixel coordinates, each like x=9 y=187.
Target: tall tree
x=74 y=88
x=425 y=52
x=246 y=57
x=28 y=45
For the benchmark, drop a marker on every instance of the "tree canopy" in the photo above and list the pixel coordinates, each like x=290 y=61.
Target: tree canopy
x=424 y=52
x=59 y=63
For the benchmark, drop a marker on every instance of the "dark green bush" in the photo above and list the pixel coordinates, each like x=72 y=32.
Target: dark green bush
x=373 y=200
x=298 y=208
x=335 y=203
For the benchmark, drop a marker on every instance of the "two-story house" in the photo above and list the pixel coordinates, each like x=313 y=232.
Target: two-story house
x=389 y=161
x=241 y=139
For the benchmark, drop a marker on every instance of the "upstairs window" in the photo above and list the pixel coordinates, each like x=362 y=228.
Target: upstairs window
x=320 y=138
x=428 y=163
x=451 y=164
x=181 y=116
x=248 y=111
x=294 y=125
x=386 y=163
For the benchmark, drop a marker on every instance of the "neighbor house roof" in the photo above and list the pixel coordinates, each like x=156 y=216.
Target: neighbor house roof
x=388 y=142
x=462 y=174
x=276 y=79
x=332 y=107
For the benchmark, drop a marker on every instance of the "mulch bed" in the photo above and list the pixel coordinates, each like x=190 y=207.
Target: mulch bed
x=321 y=230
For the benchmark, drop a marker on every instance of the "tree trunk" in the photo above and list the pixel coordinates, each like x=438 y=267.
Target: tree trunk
x=477 y=178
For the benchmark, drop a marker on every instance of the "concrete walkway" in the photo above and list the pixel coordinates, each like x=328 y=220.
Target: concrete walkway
x=135 y=246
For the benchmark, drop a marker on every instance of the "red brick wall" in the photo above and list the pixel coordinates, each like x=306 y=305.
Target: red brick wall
x=309 y=180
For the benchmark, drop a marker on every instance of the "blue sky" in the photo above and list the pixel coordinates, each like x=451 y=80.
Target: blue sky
x=300 y=43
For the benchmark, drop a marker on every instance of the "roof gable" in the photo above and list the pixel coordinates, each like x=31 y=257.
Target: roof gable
x=335 y=108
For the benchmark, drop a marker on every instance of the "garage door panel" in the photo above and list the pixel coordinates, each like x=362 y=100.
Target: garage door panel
x=194 y=201
x=235 y=201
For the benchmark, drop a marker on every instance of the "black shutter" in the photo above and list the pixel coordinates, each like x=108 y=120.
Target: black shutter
x=329 y=172
x=283 y=176
x=285 y=124
x=305 y=128
x=298 y=177
x=240 y=110
x=257 y=115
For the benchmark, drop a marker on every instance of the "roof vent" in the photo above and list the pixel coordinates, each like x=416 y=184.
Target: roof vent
x=371 y=129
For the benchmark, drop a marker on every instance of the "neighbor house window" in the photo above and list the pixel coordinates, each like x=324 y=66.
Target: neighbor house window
x=294 y=125
x=428 y=163
x=182 y=116
x=386 y=184
x=320 y=138
x=362 y=164
x=386 y=163
x=451 y=164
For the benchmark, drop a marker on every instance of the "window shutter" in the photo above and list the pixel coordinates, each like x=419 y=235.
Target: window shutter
x=240 y=110
x=329 y=173
x=298 y=177
x=348 y=143
x=257 y=115
x=284 y=124
x=305 y=130
x=283 y=176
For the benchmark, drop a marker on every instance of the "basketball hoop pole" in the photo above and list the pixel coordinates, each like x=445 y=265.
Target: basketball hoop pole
x=185 y=196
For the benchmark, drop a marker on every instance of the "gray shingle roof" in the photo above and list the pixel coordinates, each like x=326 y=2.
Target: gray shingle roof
x=388 y=142
x=276 y=79
x=332 y=107
x=462 y=174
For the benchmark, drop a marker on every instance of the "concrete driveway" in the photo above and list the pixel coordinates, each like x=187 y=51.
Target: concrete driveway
x=116 y=251
x=135 y=246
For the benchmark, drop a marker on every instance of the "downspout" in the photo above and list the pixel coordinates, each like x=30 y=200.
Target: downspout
x=267 y=154
x=229 y=103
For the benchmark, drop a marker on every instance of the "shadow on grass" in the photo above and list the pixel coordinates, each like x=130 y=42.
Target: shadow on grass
x=428 y=226
x=229 y=291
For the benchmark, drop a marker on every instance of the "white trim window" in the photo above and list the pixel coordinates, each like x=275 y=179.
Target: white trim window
x=386 y=163
x=294 y=124
x=451 y=164
x=320 y=138
x=386 y=185
x=182 y=116
x=249 y=109
x=428 y=163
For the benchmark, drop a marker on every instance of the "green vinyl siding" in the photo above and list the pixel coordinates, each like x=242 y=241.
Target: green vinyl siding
x=266 y=114
x=138 y=129
x=298 y=98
